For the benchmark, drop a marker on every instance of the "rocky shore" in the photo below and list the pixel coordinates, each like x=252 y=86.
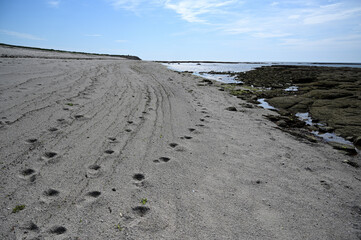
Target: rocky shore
x=330 y=95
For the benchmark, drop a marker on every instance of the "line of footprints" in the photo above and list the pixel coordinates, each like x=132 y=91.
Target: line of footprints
x=31 y=175
x=93 y=171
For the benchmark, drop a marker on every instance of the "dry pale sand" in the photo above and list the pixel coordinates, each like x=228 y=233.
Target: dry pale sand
x=84 y=141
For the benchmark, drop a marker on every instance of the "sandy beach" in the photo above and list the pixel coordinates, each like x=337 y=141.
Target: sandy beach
x=111 y=148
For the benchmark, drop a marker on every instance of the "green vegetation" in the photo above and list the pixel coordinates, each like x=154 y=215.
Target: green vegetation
x=70 y=104
x=119 y=228
x=143 y=201
x=331 y=95
x=18 y=208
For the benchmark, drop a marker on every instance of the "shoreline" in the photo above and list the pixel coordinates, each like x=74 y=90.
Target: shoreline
x=270 y=62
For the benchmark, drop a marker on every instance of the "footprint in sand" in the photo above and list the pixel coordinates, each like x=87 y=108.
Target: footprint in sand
x=50 y=154
x=109 y=151
x=177 y=147
x=194 y=131
x=28 y=174
x=186 y=137
x=232 y=109
x=138 y=176
x=94 y=170
x=30 y=226
x=94 y=167
x=51 y=193
x=93 y=194
x=141 y=210
x=57 y=230
x=79 y=117
x=112 y=139
x=162 y=159
x=53 y=129
x=173 y=145
x=325 y=184
x=89 y=198
x=32 y=140
x=50 y=157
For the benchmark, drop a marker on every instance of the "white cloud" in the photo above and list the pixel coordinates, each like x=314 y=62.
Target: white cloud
x=275 y=3
x=121 y=41
x=21 y=35
x=54 y=3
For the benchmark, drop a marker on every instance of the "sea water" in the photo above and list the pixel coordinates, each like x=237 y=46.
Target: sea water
x=204 y=69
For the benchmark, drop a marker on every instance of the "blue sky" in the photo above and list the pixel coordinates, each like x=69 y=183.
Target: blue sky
x=231 y=30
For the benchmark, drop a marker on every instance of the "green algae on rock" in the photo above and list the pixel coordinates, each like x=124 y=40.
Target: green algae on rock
x=332 y=95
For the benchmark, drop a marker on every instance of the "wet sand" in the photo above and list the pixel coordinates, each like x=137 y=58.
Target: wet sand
x=124 y=149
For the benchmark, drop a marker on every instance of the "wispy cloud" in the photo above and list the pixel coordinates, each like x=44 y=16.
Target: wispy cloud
x=353 y=39
x=92 y=35
x=277 y=19
x=21 y=35
x=54 y=3
x=191 y=11
x=121 y=41
x=271 y=34
x=126 y=4
x=329 y=13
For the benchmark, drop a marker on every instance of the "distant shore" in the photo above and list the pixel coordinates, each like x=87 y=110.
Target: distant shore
x=271 y=62
x=39 y=50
